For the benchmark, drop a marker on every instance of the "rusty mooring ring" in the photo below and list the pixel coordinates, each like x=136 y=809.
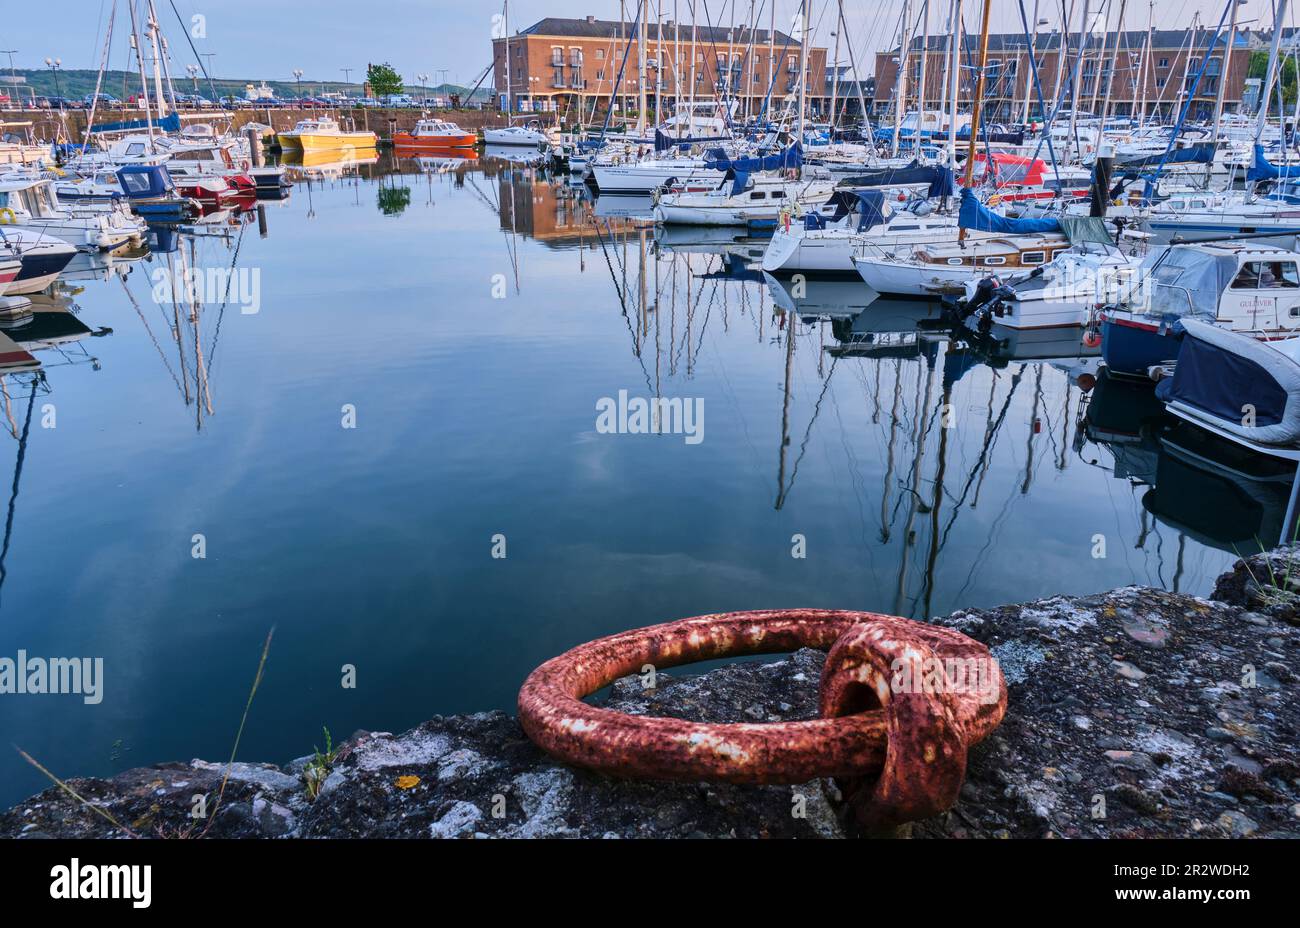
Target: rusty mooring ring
x=852 y=745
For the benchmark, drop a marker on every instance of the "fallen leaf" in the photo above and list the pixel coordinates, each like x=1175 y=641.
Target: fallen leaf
x=407 y=782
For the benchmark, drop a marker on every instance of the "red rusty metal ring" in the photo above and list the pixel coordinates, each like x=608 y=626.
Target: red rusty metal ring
x=941 y=692
x=554 y=716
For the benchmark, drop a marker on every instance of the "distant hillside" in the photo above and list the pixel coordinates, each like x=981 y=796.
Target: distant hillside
x=122 y=84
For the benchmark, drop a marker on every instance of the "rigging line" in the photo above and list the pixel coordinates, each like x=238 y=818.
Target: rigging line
x=152 y=338
x=221 y=313
x=990 y=442
x=18 y=473
x=626 y=316
x=803 y=446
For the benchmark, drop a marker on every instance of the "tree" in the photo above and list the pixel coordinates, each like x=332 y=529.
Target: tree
x=383 y=80
x=1287 y=78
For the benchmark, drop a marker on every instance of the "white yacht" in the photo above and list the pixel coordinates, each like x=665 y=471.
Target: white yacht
x=28 y=200
x=741 y=200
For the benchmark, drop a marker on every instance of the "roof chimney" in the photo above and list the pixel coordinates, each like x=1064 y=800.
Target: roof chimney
x=591 y=19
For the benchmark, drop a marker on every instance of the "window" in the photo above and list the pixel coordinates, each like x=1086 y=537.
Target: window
x=1164 y=62
x=136 y=183
x=1033 y=257
x=575 y=57
x=600 y=54
x=758 y=195
x=600 y=75
x=558 y=79
x=1267 y=275
x=995 y=260
x=557 y=56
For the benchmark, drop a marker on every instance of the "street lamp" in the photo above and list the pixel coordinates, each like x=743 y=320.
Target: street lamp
x=193 y=71
x=424 y=94
x=54 y=64
x=347 y=80
x=297 y=75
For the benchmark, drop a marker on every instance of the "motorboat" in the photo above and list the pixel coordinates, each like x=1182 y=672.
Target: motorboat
x=1242 y=287
x=435 y=134
x=29 y=200
x=741 y=200
x=147 y=189
x=322 y=133
x=43 y=258
x=530 y=136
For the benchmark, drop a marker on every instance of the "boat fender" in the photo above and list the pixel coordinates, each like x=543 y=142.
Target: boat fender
x=8 y=217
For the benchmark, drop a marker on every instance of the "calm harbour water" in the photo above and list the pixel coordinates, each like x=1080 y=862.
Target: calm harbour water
x=473 y=319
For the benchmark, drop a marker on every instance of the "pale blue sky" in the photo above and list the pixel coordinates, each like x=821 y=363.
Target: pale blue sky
x=269 y=38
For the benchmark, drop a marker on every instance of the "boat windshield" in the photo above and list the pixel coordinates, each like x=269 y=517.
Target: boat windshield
x=1186 y=281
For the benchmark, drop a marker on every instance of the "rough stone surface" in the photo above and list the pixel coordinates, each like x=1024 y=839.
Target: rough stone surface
x=1132 y=713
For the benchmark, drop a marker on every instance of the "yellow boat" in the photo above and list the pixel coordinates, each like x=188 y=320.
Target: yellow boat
x=324 y=134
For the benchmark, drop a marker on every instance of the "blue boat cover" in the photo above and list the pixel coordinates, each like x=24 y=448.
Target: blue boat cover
x=791 y=157
x=1263 y=169
x=869 y=205
x=975 y=215
x=939 y=178
x=142 y=181
x=1200 y=153
x=1219 y=372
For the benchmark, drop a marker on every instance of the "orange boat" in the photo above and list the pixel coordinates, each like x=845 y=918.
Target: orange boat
x=435 y=133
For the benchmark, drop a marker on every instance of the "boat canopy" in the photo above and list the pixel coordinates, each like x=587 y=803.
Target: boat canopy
x=939 y=178
x=791 y=157
x=1200 y=153
x=975 y=215
x=665 y=142
x=1003 y=168
x=1263 y=169
x=1185 y=281
x=869 y=205
x=140 y=181
x=1218 y=370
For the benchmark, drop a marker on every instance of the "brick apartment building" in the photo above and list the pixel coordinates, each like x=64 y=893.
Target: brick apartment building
x=1169 y=73
x=556 y=64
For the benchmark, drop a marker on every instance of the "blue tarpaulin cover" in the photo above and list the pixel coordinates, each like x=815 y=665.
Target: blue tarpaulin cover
x=975 y=215
x=791 y=157
x=1263 y=169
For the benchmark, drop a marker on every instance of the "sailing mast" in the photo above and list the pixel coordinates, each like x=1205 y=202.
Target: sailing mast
x=510 y=96
x=976 y=105
x=920 y=88
x=641 y=60
x=835 y=67
x=803 y=67
x=900 y=90
x=1271 y=74
x=1224 y=71
x=954 y=75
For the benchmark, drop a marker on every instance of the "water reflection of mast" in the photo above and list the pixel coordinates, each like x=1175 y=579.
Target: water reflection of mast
x=18 y=469
x=1029 y=444
x=940 y=473
x=915 y=495
x=893 y=441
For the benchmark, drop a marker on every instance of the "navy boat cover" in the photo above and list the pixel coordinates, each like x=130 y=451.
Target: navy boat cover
x=1236 y=383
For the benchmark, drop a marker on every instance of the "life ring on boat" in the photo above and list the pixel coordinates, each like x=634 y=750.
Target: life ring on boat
x=12 y=219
